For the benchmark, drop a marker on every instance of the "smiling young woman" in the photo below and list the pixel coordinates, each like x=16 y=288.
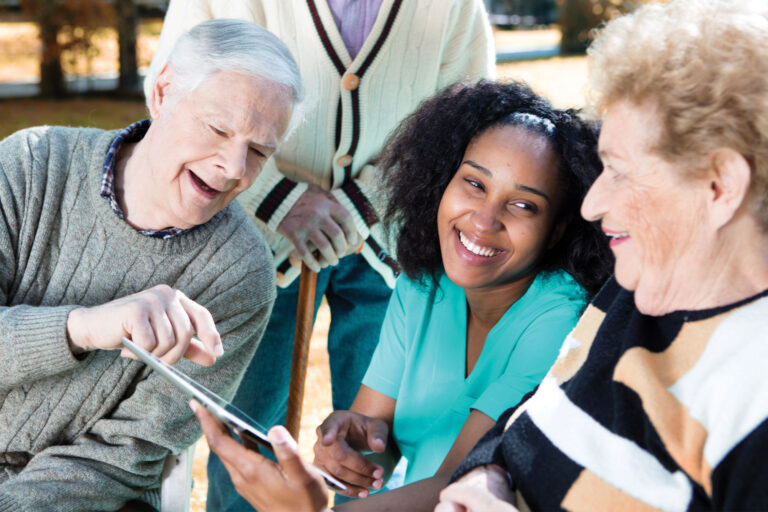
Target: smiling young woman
x=484 y=187
x=485 y=184
x=498 y=213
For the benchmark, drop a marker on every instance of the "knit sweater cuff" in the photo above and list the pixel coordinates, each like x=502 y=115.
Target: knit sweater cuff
x=272 y=198
x=285 y=205
x=41 y=346
x=352 y=198
x=8 y=504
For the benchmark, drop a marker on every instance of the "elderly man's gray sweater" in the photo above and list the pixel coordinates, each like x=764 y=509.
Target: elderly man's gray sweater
x=92 y=433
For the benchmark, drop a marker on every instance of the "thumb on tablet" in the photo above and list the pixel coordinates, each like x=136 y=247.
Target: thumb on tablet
x=212 y=428
x=287 y=453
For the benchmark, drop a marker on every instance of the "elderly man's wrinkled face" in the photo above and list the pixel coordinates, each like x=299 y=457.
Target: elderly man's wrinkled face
x=649 y=211
x=210 y=144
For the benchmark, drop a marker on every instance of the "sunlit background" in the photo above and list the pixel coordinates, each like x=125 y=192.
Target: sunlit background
x=540 y=42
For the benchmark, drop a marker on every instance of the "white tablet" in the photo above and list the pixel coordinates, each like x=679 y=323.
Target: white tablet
x=245 y=427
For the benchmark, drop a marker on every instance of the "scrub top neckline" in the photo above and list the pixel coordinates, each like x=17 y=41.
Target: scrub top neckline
x=455 y=294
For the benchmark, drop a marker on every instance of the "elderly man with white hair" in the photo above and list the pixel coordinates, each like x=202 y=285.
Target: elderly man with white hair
x=105 y=234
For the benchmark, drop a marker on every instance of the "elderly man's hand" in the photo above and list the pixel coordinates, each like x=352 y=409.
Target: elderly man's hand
x=318 y=221
x=161 y=320
x=484 y=489
x=292 y=485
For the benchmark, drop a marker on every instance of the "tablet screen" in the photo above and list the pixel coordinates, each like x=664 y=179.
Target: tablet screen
x=250 y=432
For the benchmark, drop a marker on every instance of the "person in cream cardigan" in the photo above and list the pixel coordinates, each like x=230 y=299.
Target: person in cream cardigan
x=366 y=64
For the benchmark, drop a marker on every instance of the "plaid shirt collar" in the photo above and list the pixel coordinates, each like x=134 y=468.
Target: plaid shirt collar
x=133 y=133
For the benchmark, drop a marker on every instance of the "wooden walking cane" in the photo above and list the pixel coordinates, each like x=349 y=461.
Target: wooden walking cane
x=305 y=309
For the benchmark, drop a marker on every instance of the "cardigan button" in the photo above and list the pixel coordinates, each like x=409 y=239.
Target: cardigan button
x=344 y=160
x=350 y=81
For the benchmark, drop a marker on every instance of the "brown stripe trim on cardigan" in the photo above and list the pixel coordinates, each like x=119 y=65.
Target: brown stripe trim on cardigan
x=360 y=72
x=382 y=255
x=355 y=134
x=273 y=199
x=361 y=203
x=337 y=140
x=284 y=266
x=324 y=37
x=380 y=41
x=329 y=47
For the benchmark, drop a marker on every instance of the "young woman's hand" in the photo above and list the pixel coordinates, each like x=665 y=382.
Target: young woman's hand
x=291 y=485
x=340 y=439
x=484 y=489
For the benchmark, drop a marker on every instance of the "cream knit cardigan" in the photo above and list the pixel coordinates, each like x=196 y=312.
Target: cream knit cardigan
x=415 y=48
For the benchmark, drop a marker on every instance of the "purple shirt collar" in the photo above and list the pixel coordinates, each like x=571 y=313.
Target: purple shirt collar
x=354 y=19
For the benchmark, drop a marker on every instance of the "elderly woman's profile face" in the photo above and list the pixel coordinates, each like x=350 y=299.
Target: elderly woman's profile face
x=649 y=210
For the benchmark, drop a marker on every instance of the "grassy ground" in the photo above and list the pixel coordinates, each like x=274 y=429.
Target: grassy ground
x=559 y=79
x=16 y=114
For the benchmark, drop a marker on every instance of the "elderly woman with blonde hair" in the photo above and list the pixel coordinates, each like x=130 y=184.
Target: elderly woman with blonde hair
x=659 y=399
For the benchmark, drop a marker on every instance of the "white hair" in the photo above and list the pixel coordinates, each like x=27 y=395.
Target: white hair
x=230 y=45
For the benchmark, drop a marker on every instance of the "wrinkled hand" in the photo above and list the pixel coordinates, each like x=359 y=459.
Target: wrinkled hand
x=340 y=439
x=291 y=485
x=161 y=320
x=317 y=222
x=484 y=489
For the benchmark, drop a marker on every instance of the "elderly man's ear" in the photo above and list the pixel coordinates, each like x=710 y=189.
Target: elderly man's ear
x=729 y=183
x=161 y=90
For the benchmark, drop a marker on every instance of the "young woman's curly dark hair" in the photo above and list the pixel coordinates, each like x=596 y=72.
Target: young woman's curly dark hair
x=424 y=153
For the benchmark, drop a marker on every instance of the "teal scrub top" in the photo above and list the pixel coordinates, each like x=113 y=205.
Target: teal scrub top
x=420 y=360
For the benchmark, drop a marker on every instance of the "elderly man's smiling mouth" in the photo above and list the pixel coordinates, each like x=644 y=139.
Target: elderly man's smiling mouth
x=202 y=187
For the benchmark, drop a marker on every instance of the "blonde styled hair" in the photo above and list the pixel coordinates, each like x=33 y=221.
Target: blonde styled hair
x=704 y=65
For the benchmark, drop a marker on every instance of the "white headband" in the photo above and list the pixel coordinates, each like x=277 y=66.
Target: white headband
x=532 y=120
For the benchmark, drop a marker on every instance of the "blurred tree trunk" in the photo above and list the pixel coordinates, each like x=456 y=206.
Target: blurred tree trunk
x=51 y=74
x=578 y=19
x=67 y=26
x=127 y=25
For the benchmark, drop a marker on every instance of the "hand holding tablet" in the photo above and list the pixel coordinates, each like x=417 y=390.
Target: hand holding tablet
x=289 y=485
x=247 y=429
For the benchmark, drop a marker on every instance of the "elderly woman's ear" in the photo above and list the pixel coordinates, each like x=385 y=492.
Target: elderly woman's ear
x=730 y=176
